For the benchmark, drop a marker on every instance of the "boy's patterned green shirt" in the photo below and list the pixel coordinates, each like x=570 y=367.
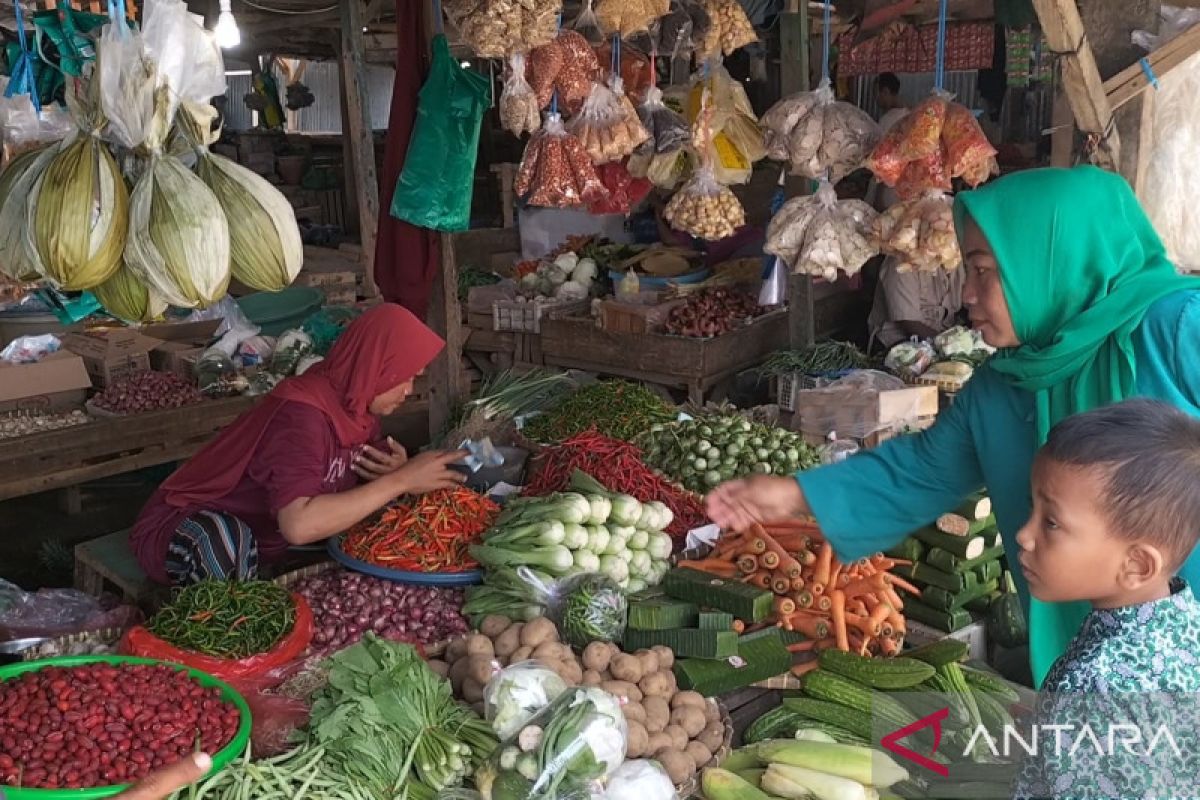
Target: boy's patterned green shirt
x=1134 y=666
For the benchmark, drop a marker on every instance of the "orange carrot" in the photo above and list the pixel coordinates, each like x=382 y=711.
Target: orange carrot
x=880 y=613
x=722 y=569
x=874 y=583
x=817 y=589
x=838 y=601
x=824 y=564
x=784 y=606
x=755 y=545
x=804 y=599
x=760 y=579
x=728 y=544
x=747 y=563
x=855 y=605
x=890 y=647
x=824 y=603
x=897 y=622
x=836 y=572
x=810 y=626
x=862 y=624
x=769 y=559
x=738 y=626
x=786 y=562
x=903 y=584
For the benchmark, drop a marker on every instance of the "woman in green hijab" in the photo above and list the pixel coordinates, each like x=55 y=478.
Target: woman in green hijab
x=1066 y=276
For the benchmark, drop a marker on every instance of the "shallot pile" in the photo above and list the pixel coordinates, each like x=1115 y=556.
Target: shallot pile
x=346 y=605
x=147 y=391
x=711 y=313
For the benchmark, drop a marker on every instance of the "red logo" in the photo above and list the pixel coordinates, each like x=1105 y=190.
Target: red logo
x=933 y=720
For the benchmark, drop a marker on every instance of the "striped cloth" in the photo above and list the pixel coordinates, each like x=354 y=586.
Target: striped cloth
x=211 y=545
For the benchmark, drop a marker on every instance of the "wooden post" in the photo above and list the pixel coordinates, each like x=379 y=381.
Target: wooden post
x=1081 y=78
x=1062 y=140
x=794 y=77
x=360 y=134
x=448 y=381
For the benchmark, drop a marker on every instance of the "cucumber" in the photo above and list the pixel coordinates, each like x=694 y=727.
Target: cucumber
x=823 y=685
x=943 y=651
x=990 y=683
x=878 y=673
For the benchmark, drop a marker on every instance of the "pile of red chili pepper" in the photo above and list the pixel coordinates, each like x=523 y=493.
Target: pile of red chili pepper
x=619 y=466
x=431 y=533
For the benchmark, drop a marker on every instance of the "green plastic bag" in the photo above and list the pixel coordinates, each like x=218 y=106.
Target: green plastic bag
x=434 y=190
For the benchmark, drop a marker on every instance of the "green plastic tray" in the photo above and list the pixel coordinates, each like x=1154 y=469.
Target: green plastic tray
x=228 y=753
x=276 y=312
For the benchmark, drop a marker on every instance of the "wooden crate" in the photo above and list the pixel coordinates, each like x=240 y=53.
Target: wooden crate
x=869 y=418
x=634 y=317
x=527 y=317
x=677 y=361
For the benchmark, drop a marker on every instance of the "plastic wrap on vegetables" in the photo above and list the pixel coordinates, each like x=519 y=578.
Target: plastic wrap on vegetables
x=565 y=752
x=705 y=209
x=910 y=358
x=969 y=154
x=517 y=693
x=820 y=235
x=519 y=107
x=818 y=135
x=587 y=607
x=920 y=234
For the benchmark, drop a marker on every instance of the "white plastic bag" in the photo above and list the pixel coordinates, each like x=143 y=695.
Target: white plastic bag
x=185 y=52
x=640 y=779
x=1173 y=176
x=516 y=693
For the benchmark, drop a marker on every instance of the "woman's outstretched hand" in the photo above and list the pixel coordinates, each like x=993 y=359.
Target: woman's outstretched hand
x=429 y=472
x=372 y=463
x=165 y=781
x=736 y=505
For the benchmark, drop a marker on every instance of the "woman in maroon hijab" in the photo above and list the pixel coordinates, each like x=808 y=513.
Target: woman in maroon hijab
x=298 y=468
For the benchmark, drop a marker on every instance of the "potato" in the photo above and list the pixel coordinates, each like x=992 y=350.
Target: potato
x=520 y=654
x=657 y=743
x=678 y=736
x=711 y=712
x=571 y=672
x=456 y=649
x=507 y=643
x=712 y=737
x=678 y=764
x=658 y=714
x=480 y=645
x=635 y=743
x=440 y=667
x=690 y=718
x=472 y=690
x=596 y=656
x=537 y=631
x=552 y=650
x=699 y=753
x=656 y=685
x=634 y=712
x=689 y=699
x=622 y=689
x=649 y=661
x=458 y=671
x=592 y=678
x=481 y=669
x=493 y=625
x=626 y=668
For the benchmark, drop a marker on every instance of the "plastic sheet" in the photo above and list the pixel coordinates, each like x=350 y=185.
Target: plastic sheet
x=564 y=752
x=640 y=779
x=30 y=349
x=57 y=612
x=243 y=672
x=820 y=235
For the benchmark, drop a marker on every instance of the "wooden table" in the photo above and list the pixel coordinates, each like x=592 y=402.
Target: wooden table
x=111 y=446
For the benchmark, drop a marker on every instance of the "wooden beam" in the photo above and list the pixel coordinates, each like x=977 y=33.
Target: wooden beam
x=448 y=382
x=1065 y=34
x=1062 y=137
x=1132 y=81
x=793 y=50
x=360 y=134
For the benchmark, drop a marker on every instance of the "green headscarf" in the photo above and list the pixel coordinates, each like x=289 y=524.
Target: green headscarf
x=1080 y=264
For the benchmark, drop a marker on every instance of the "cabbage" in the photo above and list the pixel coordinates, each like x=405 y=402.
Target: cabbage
x=519 y=692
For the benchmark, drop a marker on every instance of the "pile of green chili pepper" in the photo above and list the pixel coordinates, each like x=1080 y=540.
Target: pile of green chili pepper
x=829 y=356
x=620 y=409
x=226 y=619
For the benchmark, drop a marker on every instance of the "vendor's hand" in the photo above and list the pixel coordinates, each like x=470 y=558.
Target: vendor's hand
x=165 y=781
x=429 y=472
x=373 y=463
x=737 y=505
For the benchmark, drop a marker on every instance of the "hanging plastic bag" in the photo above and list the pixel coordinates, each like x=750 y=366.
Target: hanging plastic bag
x=818 y=135
x=565 y=752
x=821 y=235
x=587 y=25
x=517 y=693
x=634 y=69
x=730 y=30
x=139 y=641
x=184 y=52
x=24 y=128
x=968 y=152
x=628 y=17
x=705 y=209
x=668 y=130
x=608 y=126
x=920 y=234
x=625 y=192
x=568 y=66
x=519 y=108
x=555 y=170
x=725 y=131
x=434 y=190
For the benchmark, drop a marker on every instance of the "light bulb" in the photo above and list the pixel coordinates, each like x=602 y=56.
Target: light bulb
x=227 y=32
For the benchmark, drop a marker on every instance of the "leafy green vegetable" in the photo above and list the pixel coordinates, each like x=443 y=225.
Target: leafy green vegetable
x=391 y=725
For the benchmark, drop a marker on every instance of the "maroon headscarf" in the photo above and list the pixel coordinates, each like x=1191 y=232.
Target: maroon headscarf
x=380 y=350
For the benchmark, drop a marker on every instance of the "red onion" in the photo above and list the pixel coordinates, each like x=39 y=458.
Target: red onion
x=346 y=604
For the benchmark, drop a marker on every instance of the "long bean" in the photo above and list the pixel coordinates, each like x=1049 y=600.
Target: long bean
x=620 y=409
x=829 y=356
x=226 y=619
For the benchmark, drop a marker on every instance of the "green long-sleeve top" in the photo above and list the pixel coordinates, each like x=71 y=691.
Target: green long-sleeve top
x=987 y=438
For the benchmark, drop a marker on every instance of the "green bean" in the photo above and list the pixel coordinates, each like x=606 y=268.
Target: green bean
x=620 y=409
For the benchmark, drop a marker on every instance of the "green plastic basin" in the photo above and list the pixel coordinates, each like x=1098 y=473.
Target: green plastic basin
x=235 y=748
x=276 y=312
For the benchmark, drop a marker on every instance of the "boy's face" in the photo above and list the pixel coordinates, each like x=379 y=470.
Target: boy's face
x=1068 y=551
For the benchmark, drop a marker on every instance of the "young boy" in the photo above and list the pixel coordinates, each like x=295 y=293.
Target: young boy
x=1116 y=510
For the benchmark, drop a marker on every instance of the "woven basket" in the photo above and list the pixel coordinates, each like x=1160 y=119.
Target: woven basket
x=60 y=645
x=691 y=787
